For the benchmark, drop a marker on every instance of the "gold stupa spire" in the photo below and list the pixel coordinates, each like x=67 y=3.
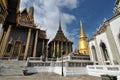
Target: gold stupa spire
x=82 y=33
x=83 y=43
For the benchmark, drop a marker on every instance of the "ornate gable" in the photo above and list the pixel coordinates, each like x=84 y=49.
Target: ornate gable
x=25 y=20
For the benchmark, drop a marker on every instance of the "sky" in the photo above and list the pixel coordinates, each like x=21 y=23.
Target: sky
x=92 y=13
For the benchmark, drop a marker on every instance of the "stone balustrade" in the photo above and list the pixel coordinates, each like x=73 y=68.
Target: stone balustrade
x=70 y=68
x=98 y=70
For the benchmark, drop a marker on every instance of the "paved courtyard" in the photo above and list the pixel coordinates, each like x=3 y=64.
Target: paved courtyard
x=47 y=76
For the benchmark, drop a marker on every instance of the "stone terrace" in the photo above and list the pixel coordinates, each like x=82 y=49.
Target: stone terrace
x=48 y=76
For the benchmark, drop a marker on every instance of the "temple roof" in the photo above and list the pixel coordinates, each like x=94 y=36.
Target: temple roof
x=60 y=35
x=42 y=34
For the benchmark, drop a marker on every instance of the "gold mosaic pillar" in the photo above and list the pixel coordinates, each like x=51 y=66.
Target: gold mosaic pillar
x=43 y=47
x=27 y=44
x=61 y=48
x=67 y=48
x=57 y=48
x=4 y=41
x=54 y=47
x=35 y=45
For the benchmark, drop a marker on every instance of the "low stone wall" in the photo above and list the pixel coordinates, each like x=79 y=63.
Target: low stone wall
x=75 y=71
x=67 y=71
x=37 y=69
x=70 y=68
x=98 y=70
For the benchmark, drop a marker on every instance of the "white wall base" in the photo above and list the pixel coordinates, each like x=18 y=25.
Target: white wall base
x=68 y=71
x=98 y=70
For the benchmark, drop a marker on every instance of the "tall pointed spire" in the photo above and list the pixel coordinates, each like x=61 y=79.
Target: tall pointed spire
x=60 y=29
x=82 y=33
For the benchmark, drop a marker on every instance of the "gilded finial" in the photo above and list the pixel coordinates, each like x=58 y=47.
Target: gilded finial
x=31 y=12
x=80 y=23
x=82 y=33
x=60 y=22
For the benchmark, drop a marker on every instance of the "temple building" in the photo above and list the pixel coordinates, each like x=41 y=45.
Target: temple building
x=21 y=37
x=83 y=42
x=60 y=44
x=3 y=14
x=105 y=43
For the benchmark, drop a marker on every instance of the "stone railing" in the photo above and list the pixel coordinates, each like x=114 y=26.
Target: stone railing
x=70 y=68
x=40 y=59
x=70 y=71
x=98 y=70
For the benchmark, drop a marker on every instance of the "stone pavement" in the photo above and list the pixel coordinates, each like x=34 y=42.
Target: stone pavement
x=48 y=76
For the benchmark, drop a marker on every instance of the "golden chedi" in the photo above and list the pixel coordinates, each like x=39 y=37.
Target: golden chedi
x=83 y=43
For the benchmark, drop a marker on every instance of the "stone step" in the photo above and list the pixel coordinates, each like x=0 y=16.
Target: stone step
x=11 y=67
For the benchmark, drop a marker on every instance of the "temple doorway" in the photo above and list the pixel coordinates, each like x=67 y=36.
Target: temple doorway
x=17 y=49
x=104 y=51
x=94 y=53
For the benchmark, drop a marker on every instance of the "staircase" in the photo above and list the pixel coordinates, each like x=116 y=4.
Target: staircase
x=10 y=67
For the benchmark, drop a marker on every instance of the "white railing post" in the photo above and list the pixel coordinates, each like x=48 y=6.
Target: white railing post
x=27 y=62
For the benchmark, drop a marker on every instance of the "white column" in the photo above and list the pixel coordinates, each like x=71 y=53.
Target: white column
x=100 y=58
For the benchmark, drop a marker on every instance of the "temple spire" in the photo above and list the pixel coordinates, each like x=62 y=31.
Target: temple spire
x=82 y=33
x=83 y=43
x=60 y=29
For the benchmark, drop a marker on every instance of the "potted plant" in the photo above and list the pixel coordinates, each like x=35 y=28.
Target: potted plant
x=25 y=71
x=108 y=77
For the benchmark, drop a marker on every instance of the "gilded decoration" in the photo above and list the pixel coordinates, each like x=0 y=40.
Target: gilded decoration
x=24 y=19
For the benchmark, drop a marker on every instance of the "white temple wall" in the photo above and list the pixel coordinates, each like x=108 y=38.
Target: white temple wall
x=115 y=28
x=67 y=71
x=90 y=50
x=103 y=38
x=92 y=43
